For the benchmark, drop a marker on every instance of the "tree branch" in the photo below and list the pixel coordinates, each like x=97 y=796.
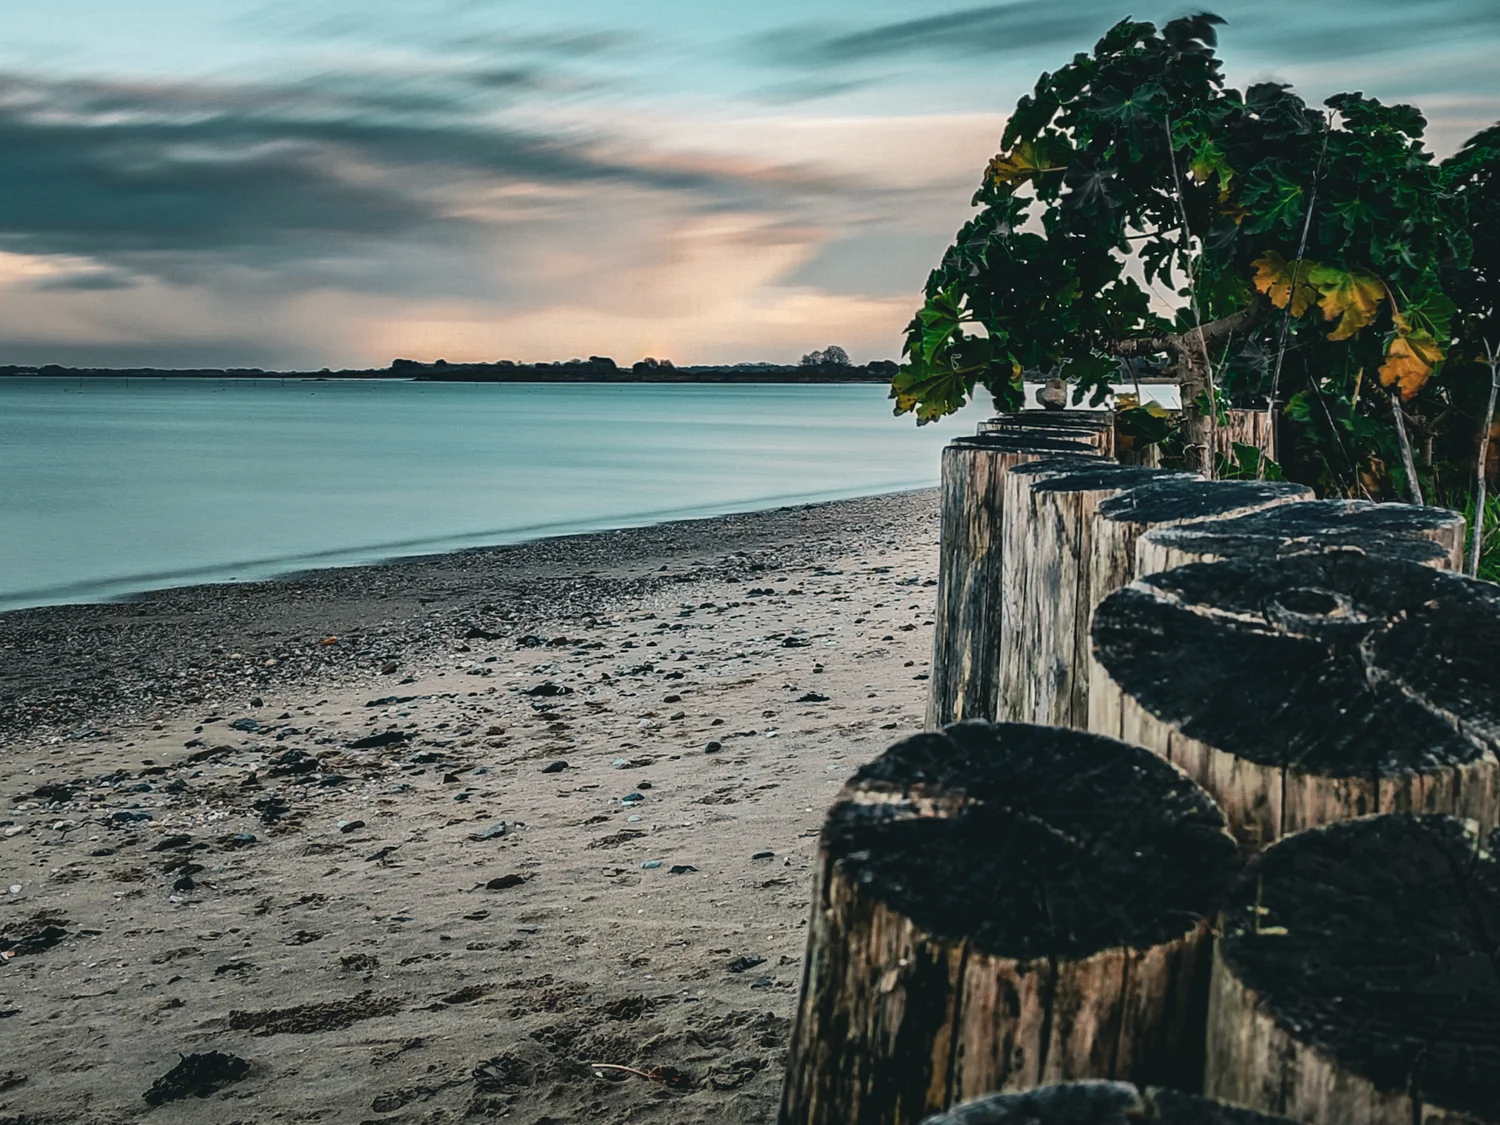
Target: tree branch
x=1180 y=344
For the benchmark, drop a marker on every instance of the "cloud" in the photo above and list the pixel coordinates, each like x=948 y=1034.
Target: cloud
x=344 y=221
x=972 y=31
x=161 y=178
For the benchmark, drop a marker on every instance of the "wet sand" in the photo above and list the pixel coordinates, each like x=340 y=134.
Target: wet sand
x=521 y=833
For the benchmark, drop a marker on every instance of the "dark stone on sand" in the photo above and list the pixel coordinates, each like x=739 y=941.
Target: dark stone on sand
x=555 y=767
x=198 y=1075
x=376 y=741
x=548 y=689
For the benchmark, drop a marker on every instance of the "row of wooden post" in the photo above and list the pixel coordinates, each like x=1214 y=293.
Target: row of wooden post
x=998 y=907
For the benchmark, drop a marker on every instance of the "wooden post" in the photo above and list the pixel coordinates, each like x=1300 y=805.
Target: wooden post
x=1242 y=427
x=1247 y=427
x=1122 y=520
x=1430 y=536
x=1043 y=650
x=1101 y=1103
x=1356 y=978
x=1097 y=427
x=965 y=642
x=997 y=906
x=1306 y=690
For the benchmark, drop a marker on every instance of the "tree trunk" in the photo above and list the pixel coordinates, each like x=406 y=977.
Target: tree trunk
x=1306 y=690
x=1101 y=1103
x=1356 y=981
x=1043 y=634
x=965 y=643
x=997 y=906
x=1096 y=427
x=1429 y=536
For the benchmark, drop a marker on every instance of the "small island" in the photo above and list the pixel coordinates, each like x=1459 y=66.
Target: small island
x=829 y=366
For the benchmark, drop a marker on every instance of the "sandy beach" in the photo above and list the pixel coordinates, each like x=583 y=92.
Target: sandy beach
x=521 y=833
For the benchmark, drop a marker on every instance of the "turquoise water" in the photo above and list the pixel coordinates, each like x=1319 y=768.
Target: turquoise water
x=113 y=487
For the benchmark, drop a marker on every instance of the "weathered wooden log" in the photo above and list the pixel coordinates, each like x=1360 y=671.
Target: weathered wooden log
x=1101 y=1103
x=1043 y=633
x=1175 y=501
x=997 y=906
x=1430 y=536
x=1358 y=979
x=965 y=643
x=1247 y=427
x=1239 y=427
x=1096 y=427
x=1311 y=689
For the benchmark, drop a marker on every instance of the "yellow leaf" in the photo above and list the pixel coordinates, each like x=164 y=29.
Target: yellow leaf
x=1235 y=211
x=1354 y=296
x=1409 y=362
x=1284 y=281
x=1026 y=161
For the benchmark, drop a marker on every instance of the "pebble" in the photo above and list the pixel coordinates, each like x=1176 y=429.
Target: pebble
x=651 y=865
x=713 y=747
x=555 y=767
x=493 y=832
x=632 y=799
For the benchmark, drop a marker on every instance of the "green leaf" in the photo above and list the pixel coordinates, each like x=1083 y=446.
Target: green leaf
x=933 y=389
x=1027 y=161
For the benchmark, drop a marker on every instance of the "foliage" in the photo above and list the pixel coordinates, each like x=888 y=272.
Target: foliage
x=832 y=356
x=1140 y=206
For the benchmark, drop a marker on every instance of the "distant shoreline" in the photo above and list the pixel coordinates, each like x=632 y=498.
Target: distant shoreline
x=596 y=369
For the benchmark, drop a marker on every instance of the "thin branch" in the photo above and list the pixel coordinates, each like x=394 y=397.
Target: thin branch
x=1286 y=321
x=1477 y=544
x=1406 y=458
x=1210 y=457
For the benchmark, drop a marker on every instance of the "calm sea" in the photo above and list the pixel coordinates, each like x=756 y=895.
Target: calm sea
x=113 y=487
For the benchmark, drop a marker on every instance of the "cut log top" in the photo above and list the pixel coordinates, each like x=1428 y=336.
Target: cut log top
x=1089 y=420
x=1338 y=665
x=1183 y=499
x=1375 y=942
x=1055 y=475
x=1100 y=1103
x=1022 y=441
x=1392 y=531
x=1032 y=842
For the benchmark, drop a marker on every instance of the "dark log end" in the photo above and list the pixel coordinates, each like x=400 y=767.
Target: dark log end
x=1376 y=943
x=1032 y=841
x=1090 y=421
x=1406 y=532
x=1100 y=1103
x=1026 y=441
x=1054 y=477
x=1339 y=664
x=1179 y=499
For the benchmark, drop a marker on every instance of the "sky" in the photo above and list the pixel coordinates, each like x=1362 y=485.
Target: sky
x=331 y=183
